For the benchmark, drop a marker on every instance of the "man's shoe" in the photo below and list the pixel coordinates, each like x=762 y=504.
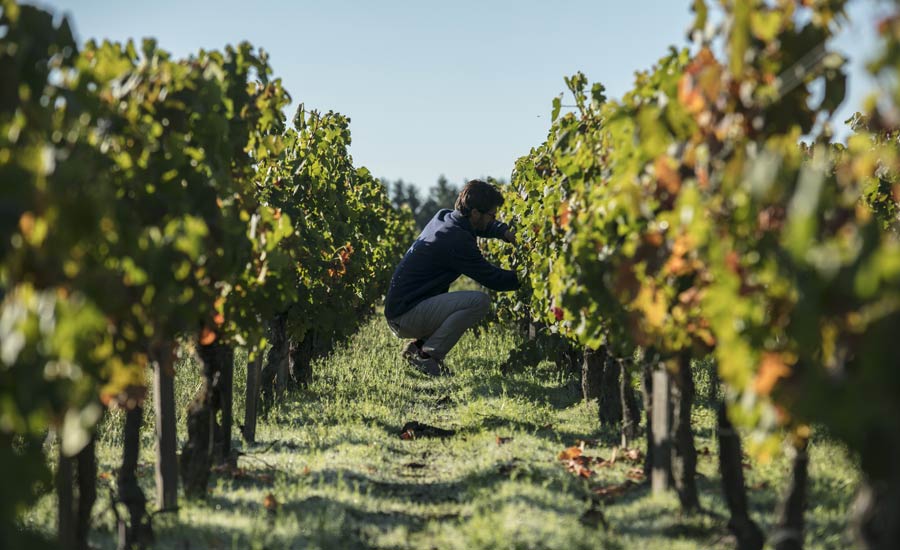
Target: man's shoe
x=426 y=365
x=412 y=350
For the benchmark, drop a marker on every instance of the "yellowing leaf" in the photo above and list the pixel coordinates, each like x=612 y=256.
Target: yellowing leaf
x=652 y=304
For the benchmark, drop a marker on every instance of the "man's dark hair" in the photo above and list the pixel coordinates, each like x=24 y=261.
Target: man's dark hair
x=478 y=195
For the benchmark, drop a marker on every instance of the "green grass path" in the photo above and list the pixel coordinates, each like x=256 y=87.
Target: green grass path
x=333 y=459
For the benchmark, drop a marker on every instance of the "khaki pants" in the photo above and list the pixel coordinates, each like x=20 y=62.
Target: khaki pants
x=441 y=320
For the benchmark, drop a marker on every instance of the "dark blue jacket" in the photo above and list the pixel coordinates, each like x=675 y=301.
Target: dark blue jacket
x=445 y=250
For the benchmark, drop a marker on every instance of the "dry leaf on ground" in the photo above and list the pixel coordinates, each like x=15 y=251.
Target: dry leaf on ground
x=633 y=455
x=570 y=453
x=636 y=474
x=270 y=502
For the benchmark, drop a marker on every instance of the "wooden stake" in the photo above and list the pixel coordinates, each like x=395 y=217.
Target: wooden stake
x=166 y=440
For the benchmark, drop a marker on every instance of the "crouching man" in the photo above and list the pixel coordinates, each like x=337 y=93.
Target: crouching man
x=419 y=304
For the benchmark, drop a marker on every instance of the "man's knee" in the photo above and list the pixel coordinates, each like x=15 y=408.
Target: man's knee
x=482 y=303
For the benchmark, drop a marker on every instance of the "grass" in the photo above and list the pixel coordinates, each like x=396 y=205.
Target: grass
x=332 y=457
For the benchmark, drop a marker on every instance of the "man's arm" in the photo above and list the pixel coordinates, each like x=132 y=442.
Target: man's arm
x=498 y=230
x=468 y=260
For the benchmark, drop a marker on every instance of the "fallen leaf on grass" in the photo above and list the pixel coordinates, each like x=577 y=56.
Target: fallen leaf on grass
x=613 y=491
x=503 y=440
x=636 y=474
x=570 y=453
x=579 y=465
x=104 y=475
x=270 y=502
x=412 y=430
x=579 y=468
x=633 y=455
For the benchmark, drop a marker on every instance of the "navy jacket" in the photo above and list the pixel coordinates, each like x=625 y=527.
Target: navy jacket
x=445 y=250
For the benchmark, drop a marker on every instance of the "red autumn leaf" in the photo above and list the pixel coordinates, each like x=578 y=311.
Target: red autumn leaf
x=207 y=336
x=558 y=313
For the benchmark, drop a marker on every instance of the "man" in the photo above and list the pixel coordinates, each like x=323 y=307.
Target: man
x=419 y=304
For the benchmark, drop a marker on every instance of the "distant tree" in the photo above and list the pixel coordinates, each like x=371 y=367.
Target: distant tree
x=401 y=193
x=441 y=195
x=444 y=193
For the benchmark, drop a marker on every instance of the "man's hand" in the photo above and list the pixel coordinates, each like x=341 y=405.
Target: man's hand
x=510 y=236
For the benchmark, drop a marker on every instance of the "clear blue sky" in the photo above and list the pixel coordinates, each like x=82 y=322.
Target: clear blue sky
x=458 y=88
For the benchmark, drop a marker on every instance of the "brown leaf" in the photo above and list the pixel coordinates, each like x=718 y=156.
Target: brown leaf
x=666 y=169
x=270 y=502
x=636 y=474
x=570 y=453
x=408 y=434
x=503 y=440
x=771 y=369
x=633 y=455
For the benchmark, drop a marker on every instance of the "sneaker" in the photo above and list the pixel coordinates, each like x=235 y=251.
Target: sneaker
x=426 y=365
x=412 y=350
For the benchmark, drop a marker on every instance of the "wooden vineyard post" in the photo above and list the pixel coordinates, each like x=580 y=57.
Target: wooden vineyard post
x=662 y=456
x=684 y=455
x=592 y=373
x=166 y=441
x=65 y=502
x=223 y=402
x=745 y=530
x=251 y=398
